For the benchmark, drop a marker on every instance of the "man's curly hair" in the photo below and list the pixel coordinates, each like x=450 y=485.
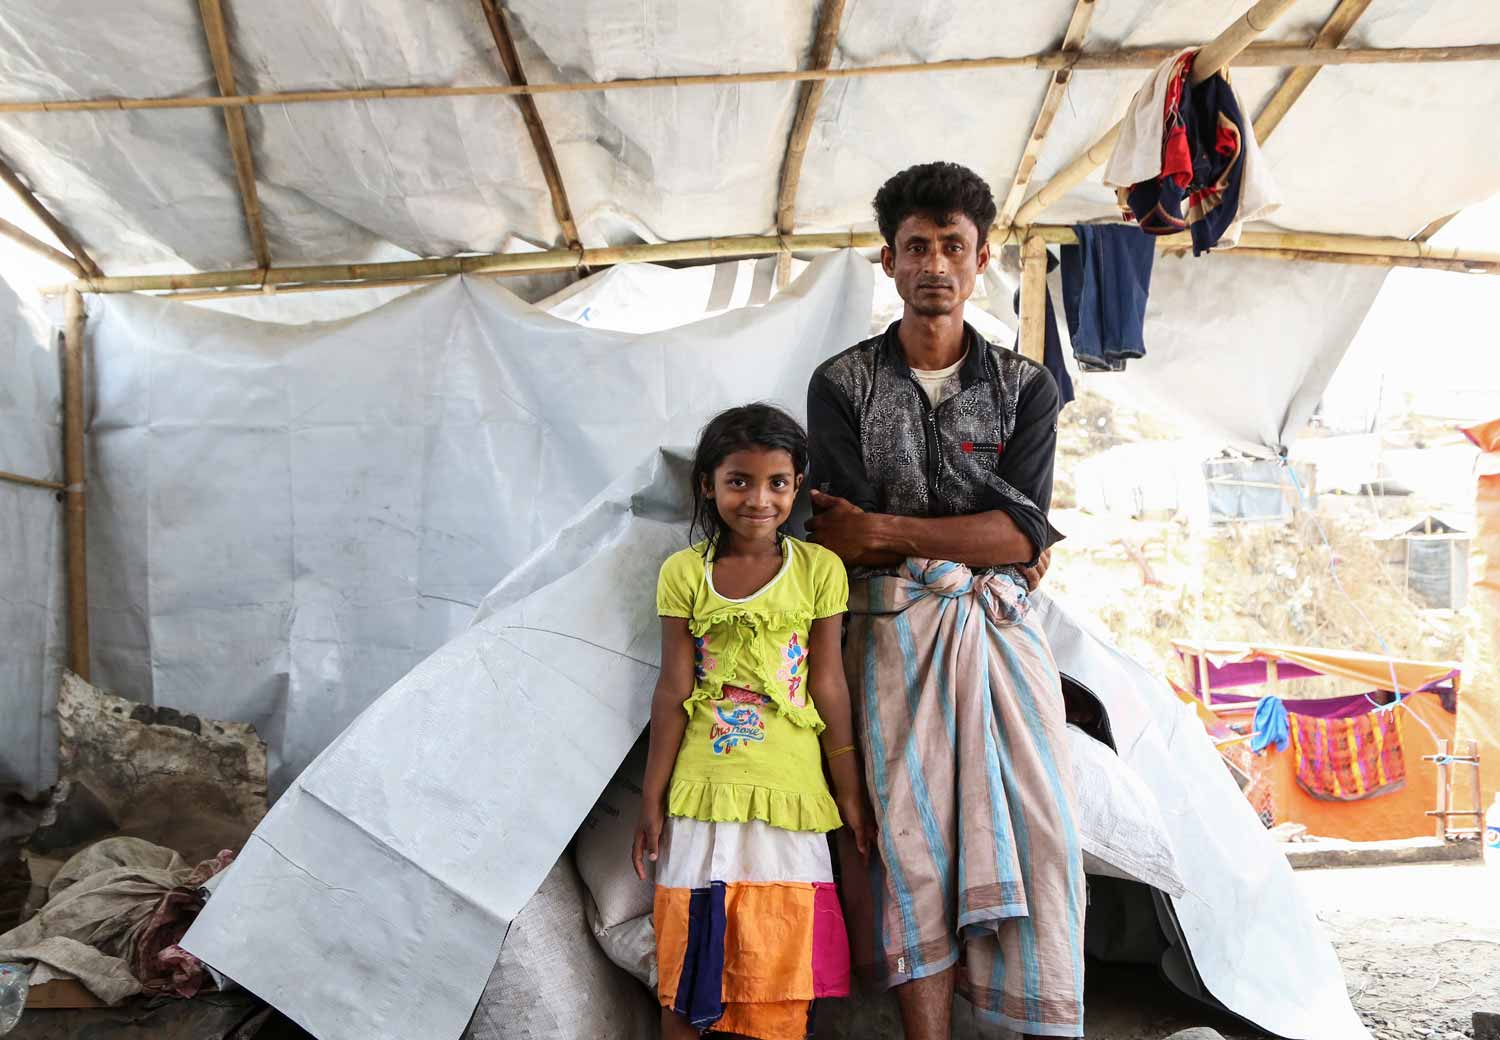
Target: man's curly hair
x=939 y=190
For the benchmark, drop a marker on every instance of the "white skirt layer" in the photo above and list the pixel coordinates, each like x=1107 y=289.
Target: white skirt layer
x=696 y=853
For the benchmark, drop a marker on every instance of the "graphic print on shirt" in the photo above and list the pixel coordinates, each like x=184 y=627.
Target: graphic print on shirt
x=737 y=720
x=702 y=663
x=794 y=671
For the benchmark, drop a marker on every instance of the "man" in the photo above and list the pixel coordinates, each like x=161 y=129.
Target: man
x=932 y=455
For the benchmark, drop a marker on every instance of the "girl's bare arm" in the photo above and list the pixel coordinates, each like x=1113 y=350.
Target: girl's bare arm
x=830 y=692
x=668 y=722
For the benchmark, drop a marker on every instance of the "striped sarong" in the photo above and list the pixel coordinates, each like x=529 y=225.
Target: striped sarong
x=959 y=711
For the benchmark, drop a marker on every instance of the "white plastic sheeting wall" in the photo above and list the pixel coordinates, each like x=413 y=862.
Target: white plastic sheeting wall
x=31 y=547
x=285 y=520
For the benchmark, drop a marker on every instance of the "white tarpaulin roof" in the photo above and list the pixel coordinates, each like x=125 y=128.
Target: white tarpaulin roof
x=1374 y=149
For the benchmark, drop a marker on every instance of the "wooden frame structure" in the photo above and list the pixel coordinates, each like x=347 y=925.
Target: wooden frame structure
x=830 y=15
x=510 y=58
x=1019 y=220
x=214 y=29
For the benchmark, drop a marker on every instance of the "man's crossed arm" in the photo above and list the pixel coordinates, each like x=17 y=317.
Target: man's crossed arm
x=859 y=538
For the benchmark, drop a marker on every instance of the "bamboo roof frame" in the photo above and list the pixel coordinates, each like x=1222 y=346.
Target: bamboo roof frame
x=1259 y=56
x=1355 y=249
x=1233 y=46
x=25 y=239
x=67 y=238
x=1432 y=229
x=541 y=144
x=1057 y=89
x=1298 y=80
x=1212 y=57
x=217 y=34
x=809 y=95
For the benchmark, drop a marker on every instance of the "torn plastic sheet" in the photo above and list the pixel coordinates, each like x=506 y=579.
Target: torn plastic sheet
x=394 y=864
x=285 y=520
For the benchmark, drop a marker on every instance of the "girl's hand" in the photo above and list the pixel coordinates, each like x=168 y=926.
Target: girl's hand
x=647 y=837
x=860 y=820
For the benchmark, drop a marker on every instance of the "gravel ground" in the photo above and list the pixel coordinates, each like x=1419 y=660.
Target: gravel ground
x=1420 y=947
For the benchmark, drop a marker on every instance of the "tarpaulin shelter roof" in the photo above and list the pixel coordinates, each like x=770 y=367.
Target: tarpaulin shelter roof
x=1375 y=671
x=229 y=135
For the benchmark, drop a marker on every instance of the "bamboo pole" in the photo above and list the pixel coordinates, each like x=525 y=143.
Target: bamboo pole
x=16 y=478
x=212 y=16
x=1369 y=260
x=810 y=95
x=1323 y=247
x=1078 y=26
x=1217 y=53
x=1437 y=225
x=1298 y=80
x=196 y=295
x=62 y=234
x=1276 y=56
x=541 y=144
x=1033 y=338
x=1370 y=245
x=73 y=477
x=1212 y=57
x=40 y=248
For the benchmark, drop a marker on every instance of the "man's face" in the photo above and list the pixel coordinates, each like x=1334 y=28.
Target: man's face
x=935 y=265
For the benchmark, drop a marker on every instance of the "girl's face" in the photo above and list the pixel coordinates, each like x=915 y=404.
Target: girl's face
x=753 y=491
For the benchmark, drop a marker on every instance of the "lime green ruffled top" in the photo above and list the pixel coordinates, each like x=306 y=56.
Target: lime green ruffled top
x=751 y=749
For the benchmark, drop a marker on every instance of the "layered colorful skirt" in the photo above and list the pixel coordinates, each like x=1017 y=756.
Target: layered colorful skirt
x=749 y=931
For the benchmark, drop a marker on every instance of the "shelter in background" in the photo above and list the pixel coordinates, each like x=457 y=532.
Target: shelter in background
x=1242 y=488
x=1353 y=767
x=1433 y=553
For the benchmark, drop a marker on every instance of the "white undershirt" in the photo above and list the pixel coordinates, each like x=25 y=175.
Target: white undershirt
x=932 y=379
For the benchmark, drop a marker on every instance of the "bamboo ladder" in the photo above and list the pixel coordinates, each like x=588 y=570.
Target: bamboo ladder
x=1450 y=754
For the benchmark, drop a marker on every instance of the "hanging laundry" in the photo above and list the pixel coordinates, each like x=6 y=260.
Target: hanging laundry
x=1052 y=353
x=1106 y=279
x=1345 y=760
x=1270 y=725
x=1187 y=158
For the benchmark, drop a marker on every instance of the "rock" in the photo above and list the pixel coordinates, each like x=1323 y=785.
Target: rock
x=174 y=779
x=1197 y=1033
x=20 y=816
x=1284 y=832
x=78 y=817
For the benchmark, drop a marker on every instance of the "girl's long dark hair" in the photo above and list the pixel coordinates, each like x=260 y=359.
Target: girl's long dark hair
x=749 y=426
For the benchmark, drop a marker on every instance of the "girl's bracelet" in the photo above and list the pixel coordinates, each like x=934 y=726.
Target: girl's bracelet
x=836 y=752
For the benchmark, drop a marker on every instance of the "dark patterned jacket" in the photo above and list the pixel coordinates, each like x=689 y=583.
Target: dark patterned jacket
x=988 y=445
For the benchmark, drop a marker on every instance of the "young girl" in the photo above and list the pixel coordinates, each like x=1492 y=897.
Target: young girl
x=748 y=925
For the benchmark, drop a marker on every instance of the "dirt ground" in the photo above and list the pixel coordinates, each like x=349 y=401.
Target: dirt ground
x=1420 y=947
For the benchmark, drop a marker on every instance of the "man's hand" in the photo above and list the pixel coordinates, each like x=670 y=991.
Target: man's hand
x=823 y=502
x=841 y=526
x=1034 y=575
